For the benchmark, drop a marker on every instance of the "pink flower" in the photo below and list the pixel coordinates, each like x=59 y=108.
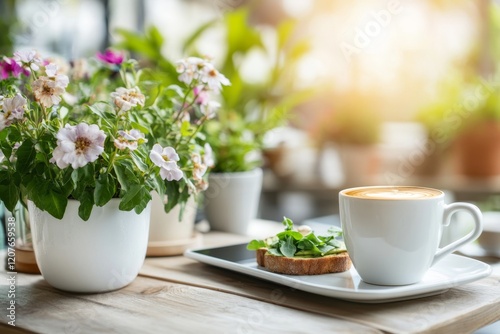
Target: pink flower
x=201 y=95
x=9 y=66
x=110 y=57
x=78 y=145
x=166 y=158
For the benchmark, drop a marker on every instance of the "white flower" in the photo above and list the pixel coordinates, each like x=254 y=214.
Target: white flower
x=190 y=69
x=213 y=78
x=166 y=158
x=201 y=185
x=208 y=157
x=47 y=91
x=130 y=139
x=52 y=72
x=78 y=145
x=30 y=58
x=210 y=109
x=13 y=108
x=199 y=168
x=125 y=99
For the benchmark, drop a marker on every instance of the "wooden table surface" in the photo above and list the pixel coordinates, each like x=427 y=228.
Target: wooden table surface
x=180 y=295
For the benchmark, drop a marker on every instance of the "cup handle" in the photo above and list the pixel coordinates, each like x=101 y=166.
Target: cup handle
x=449 y=210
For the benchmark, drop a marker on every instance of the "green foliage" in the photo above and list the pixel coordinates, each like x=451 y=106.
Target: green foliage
x=291 y=243
x=248 y=110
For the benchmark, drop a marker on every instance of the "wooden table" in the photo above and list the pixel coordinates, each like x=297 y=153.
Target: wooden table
x=180 y=295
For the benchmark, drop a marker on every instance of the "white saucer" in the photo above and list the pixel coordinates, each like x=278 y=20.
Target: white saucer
x=452 y=271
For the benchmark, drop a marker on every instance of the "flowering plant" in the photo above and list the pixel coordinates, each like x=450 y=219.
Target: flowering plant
x=87 y=132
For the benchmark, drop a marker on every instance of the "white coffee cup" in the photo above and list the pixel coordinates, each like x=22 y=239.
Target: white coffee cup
x=392 y=234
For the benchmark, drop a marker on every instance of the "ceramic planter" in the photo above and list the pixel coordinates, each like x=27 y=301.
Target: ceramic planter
x=232 y=200
x=102 y=254
x=167 y=234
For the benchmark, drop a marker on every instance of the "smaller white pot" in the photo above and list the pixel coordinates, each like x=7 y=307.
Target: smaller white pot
x=102 y=254
x=167 y=234
x=232 y=200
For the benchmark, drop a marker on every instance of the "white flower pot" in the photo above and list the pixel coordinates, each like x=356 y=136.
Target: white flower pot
x=102 y=254
x=168 y=235
x=232 y=200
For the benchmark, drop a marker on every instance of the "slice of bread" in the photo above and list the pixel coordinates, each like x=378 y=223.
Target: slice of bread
x=303 y=266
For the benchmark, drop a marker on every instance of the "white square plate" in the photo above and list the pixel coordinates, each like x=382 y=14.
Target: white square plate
x=452 y=271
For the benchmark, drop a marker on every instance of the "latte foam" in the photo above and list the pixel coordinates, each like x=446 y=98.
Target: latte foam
x=393 y=193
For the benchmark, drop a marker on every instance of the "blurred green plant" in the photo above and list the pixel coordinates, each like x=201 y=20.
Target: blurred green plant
x=248 y=110
x=463 y=102
x=8 y=23
x=468 y=97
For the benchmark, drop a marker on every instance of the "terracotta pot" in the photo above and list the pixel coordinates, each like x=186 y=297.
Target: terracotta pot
x=478 y=151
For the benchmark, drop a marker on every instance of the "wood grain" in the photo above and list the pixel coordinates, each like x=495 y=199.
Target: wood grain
x=467 y=307
x=155 y=306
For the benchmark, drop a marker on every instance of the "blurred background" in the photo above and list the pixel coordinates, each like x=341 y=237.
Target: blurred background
x=376 y=92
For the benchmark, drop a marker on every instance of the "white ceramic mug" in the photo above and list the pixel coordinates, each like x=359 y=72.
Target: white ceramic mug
x=392 y=234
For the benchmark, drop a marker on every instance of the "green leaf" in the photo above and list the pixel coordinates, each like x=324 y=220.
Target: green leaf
x=86 y=205
x=83 y=178
x=197 y=33
x=284 y=31
x=47 y=198
x=67 y=180
x=25 y=156
x=290 y=233
x=125 y=174
x=105 y=189
x=139 y=162
x=288 y=224
x=173 y=195
x=274 y=251
x=9 y=194
x=144 y=129
x=186 y=129
x=256 y=244
x=155 y=37
x=312 y=238
x=136 y=197
x=287 y=247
